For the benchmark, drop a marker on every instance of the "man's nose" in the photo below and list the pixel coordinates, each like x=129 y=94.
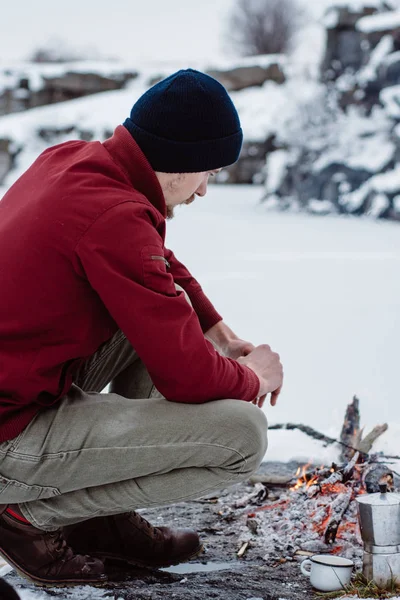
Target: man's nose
x=202 y=189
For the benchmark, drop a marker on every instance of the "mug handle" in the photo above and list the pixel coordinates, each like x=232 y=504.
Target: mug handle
x=304 y=570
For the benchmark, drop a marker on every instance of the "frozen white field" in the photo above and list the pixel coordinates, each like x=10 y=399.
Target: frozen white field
x=322 y=291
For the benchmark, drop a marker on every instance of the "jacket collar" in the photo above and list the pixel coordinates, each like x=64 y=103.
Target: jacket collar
x=129 y=157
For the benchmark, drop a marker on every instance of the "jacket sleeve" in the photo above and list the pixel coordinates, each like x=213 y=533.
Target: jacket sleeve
x=122 y=257
x=203 y=307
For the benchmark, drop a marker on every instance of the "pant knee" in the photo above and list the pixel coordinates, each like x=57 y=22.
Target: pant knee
x=255 y=425
x=245 y=426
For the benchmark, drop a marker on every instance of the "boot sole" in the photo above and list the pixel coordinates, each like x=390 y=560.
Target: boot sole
x=51 y=582
x=143 y=565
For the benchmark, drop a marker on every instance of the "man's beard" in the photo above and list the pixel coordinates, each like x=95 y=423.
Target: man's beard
x=170 y=209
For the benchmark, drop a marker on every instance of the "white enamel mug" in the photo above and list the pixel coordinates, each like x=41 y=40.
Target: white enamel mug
x=327 y=573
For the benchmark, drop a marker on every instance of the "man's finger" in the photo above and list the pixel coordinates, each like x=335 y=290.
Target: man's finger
x=261 y=401
x=274 y=396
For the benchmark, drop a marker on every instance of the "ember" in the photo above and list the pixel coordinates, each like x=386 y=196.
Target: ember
x=315 y=511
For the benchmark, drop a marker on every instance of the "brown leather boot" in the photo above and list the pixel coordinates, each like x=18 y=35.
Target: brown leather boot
x=130 y=538
x=44 y=556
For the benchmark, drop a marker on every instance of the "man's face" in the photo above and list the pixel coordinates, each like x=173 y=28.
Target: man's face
x=182 y=188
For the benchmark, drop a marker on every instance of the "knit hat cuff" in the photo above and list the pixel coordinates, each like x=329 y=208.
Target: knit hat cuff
x=169 y=156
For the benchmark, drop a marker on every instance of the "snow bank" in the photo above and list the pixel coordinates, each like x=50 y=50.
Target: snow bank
x=262 y=60
x=359 y=142
x=379 y=185
x=390 y=98
x=36 y=73
x=380 y=55
x=381 y=22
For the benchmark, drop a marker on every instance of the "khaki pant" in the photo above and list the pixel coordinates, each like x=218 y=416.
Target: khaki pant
x=96 y=454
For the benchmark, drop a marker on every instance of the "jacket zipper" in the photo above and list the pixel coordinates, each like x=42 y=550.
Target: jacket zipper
x=161 y=258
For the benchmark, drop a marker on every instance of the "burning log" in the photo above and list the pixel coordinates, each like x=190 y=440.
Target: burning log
x=350 y=429
x=351 y=436
x=272 y=480
x=376 y=474
x=338 y=509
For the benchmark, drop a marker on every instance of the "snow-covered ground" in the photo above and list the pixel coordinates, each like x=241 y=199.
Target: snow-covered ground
x=322 y=291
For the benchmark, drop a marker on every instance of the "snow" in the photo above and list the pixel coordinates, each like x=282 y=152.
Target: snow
x=320 y=206
x=36 y=73
x=330 y=19
x=380 y=203
x=275 y=168
x=396 y=203
x=378 y=56
x=388 y=183
x=387 y=21
x=324 y=292
x=263 y=112
x=262 y=60
x=390 y=98
x=368 y=153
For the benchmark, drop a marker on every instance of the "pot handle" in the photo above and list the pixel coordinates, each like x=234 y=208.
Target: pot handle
x=306 y=563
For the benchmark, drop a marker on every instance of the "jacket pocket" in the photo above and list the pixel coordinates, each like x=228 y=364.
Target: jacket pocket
x=155 y=274
x=13 y=491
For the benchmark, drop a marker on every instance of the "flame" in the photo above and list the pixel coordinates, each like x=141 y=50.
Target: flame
x=301 y=474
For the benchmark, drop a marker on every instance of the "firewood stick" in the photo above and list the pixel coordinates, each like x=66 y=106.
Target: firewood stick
x=338 y=508
x=350 y=430
x=366 y=444
x=317 y=435
x=273 y=480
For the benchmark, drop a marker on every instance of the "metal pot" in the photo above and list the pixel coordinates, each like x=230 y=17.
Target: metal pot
x=379 y=516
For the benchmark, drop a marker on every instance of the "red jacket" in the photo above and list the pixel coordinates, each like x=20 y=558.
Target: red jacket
x=78 y=235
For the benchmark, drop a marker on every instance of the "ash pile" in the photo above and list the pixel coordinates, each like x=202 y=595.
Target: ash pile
x=286 y=516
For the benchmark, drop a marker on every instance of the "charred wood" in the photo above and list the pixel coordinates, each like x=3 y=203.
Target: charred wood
x=350 y=429
x=338 y=508
x=376 y=474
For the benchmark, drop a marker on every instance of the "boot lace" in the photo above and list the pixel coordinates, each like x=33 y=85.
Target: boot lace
x=60 y=546
x=142 y=523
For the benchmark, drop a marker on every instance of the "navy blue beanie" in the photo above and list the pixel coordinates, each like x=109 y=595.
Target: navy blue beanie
x=186 y=124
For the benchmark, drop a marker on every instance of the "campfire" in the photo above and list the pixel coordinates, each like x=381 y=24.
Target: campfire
x=315 y=511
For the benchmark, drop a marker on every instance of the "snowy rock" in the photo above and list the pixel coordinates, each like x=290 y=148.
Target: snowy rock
x=390 y=98
x=5 y=159
x=241 y=77
x=344 y=49
x=374 y=27
x=376 y=197
x=276 y=169
x=396 y=204
x=27 y=85
x=321 y=207
x=377 y=58
x=384 y=23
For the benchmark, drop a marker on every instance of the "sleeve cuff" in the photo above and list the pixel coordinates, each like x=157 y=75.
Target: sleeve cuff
x=204 y=309
x=253 y=384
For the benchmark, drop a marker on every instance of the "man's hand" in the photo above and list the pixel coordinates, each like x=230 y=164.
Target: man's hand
x=237 y=347
x=267 y=366
x=261 y=360
x=227 y=342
